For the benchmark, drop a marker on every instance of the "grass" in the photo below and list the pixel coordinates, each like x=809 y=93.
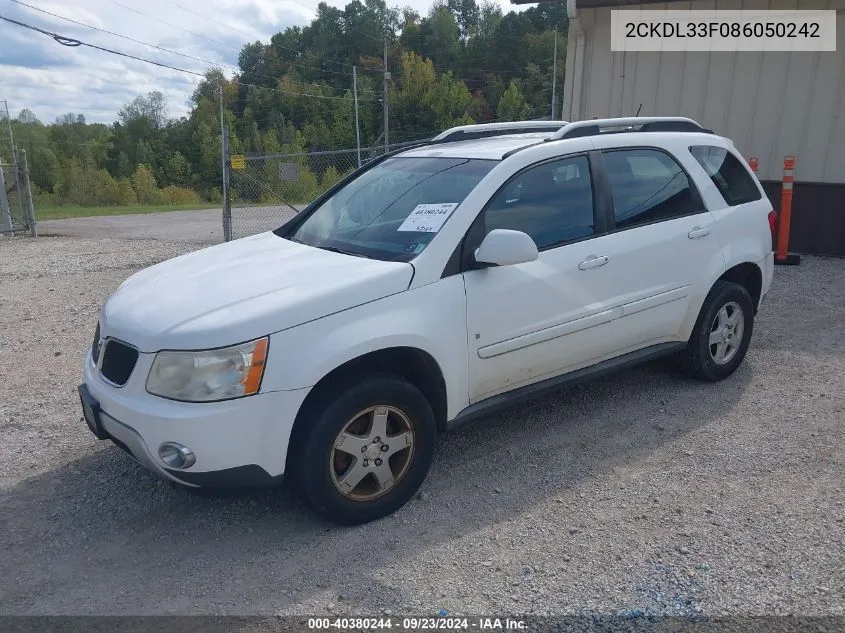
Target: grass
x=71 y=211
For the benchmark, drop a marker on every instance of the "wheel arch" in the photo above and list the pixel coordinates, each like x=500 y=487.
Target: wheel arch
x=411 y=363
x=749 y=276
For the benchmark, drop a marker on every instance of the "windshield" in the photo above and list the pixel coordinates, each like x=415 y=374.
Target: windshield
x=392 y=211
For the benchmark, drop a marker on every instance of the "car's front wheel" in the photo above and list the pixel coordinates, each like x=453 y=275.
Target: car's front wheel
x=368 y=447
x=721 y=334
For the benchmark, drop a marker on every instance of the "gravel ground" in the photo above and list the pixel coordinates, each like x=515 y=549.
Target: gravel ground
x=639 y=493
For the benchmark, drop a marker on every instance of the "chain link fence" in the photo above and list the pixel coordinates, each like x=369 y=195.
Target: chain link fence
x=267 y=190
x=17 y=214
x=16 y=209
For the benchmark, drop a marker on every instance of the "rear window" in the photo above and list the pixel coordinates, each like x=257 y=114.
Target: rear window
x=729 y=175
x=648 y=186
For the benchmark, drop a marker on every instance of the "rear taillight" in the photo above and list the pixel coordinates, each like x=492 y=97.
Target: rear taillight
x=773 y=223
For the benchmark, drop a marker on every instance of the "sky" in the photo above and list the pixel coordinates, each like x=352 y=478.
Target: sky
x=50 y=79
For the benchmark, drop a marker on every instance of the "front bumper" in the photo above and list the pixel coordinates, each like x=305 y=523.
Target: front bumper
x=237 y=443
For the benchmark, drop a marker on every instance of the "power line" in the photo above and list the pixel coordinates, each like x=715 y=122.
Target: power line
x=208 y=39
x=167 y=50
x=210 y=19
x=297 y=51
x=72 y=42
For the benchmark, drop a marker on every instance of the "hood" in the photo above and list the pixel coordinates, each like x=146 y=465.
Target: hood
x=241 y=290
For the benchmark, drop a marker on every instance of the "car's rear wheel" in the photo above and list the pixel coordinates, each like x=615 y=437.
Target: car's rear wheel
x=722 y=333
x=367 y=449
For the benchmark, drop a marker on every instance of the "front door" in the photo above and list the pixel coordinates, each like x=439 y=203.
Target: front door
x=531 y=321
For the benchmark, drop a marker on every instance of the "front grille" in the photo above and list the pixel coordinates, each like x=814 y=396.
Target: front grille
x=95 y=348
x=118 y=362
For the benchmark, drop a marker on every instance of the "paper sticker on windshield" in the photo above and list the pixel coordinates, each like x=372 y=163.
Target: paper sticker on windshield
x=428 y=218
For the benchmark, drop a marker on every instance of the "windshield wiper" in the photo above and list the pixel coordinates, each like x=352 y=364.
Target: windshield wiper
x=331 y=249
x=335 y=249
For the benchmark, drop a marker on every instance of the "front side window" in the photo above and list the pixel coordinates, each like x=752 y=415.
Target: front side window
x=648 y=186
x=731 y=179
x=392 y=211
x=552 y=202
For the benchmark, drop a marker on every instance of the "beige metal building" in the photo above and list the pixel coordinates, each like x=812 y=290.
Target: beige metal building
x=771 y=104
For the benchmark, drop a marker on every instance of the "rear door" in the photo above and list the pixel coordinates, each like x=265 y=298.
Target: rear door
x=661 y=246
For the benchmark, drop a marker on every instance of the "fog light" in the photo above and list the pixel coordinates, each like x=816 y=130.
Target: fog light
x=176 y=456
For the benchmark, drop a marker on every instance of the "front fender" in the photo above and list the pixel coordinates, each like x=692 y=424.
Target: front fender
x=431 y=318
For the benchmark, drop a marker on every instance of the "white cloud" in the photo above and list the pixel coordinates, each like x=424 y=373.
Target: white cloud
x=50 y=79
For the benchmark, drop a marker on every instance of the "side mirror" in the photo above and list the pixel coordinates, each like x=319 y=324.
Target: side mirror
x=504 y=247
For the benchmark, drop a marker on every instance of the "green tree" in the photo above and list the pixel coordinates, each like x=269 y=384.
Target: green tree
x=27 y=116
x=343 y=123
x=106 y=192
x=177 y=170
x=330 y=179
x=144 y=184
x=125 y=193
x=44 y=167
x=512 y=105
x=124 y=167
x=71 y=188
x=467 y=15
x=144 y=154
x=441 y=37
x=152 y=107
x=448 y=102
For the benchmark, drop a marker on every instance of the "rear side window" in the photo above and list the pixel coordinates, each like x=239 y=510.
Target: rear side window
x=727 y=173
x=648 y=186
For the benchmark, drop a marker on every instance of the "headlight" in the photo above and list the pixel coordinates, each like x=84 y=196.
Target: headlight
x=205 y=376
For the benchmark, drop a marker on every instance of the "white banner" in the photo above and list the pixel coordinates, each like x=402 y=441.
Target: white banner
x=722 y=30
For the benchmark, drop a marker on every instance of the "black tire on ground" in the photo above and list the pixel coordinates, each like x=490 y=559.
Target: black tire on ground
x=697 y=360
x=312 y=466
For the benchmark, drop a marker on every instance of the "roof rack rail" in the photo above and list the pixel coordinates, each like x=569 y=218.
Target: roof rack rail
x=482 y=130
x=630 y=124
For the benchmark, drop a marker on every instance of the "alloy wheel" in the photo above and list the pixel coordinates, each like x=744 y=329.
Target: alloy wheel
x=372 y=453
x=726 y=333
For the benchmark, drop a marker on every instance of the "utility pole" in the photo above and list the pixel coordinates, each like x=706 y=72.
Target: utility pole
x=386 y=81
x=554 y=79
x=12 y=147
x=25 y=195
x=224 y=151
x=357 y=129
x=6 y=224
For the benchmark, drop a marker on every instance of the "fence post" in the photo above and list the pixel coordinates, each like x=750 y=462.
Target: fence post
x=782 y=255
x=357 y=127
x=227 y=199
x=386 y=104
x=26 y=195
x=6 y=225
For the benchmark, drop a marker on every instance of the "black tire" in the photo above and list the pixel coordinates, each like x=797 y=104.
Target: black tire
x=697 y=360
x=312 y=465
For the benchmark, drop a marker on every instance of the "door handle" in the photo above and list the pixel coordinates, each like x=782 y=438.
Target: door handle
x=593 y=261
x=698 y=232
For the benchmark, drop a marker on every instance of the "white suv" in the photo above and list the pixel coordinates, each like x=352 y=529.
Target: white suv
x=430 y=287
